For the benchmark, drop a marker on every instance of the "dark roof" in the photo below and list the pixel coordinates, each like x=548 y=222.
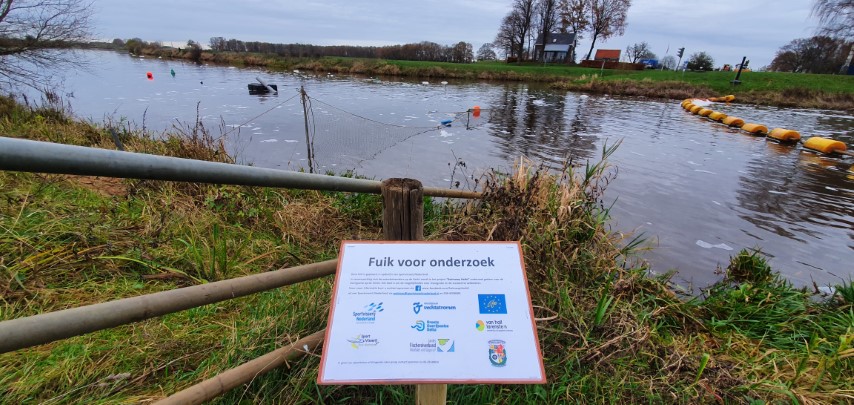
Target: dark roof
x=556 y=38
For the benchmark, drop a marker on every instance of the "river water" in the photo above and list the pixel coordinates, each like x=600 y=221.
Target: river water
x=697 y=190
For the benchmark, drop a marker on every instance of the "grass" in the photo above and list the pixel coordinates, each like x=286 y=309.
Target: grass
x=609 y=333
x=765 y=88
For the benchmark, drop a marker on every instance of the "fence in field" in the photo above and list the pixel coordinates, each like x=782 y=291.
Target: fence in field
x=403 y=219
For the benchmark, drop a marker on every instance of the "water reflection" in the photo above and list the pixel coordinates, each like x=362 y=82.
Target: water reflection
x=701 y=190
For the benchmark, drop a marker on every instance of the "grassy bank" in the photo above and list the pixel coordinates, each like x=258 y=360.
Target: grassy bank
x=766 y=88
x=609 y=333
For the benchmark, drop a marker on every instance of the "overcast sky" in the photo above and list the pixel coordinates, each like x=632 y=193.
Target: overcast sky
x=726 y=29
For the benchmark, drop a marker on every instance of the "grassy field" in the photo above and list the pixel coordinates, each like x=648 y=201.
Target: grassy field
x=767 y=88
x=609 y=333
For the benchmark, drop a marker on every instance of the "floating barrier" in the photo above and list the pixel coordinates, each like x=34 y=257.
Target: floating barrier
x=825 y=145
x=781 y=135
x=717 y=116
x=755 y=129
x=784 y=135
x=733 y=121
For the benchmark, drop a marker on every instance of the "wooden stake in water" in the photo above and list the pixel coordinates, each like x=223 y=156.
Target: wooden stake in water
x=308 y=145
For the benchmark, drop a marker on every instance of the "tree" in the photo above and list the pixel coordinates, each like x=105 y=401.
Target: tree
x=607 y=18
x=118 y=43
x=819 y=54
x=195 y=51
x=639 y=51
x=36 y=37
x=668 y=62
x=486 y=53
x=573 y=18
x=835 y=18
x=546 y=12
x=462 y=53
x=701 y=61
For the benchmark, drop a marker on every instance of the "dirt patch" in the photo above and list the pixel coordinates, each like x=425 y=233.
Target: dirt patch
x=108 y=186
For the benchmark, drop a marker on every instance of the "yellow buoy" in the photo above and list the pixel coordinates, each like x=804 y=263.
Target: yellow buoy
x=686 y=102
x=729 y=98
x=824 y=145
x=704 y=112
x=733 y=121
x=784 y=135
x=713 y=99
x=717 y=116
x=696 y=109
x=688 y=106
x=755 y=129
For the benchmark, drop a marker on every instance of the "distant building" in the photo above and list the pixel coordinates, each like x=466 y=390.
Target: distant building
x=557 y=49
x=607 y=55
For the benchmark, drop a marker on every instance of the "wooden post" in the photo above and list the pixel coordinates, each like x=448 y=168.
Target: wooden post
x=403 y=219
x=309 y=143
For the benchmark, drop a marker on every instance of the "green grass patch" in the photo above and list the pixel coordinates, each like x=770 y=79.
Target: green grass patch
x=609 y=333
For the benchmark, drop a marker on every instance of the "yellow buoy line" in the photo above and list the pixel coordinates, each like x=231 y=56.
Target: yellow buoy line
x=782 y=135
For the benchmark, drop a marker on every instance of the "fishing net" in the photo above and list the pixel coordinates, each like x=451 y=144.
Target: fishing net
x=341 y=139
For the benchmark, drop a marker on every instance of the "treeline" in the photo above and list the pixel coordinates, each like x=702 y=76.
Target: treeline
x=819 y=54
x=462 y=52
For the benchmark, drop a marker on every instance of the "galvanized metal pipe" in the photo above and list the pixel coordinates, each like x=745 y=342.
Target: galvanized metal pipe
x=45 y=157
x=38 y=329
x=244 y=373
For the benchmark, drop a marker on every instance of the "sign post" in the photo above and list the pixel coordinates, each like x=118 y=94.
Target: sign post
x=431 y=313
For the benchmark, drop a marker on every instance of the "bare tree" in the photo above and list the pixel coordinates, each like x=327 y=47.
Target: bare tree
x=36 y=37
x=573 y=18
x=607 y=18
x=639 y=51
x=546 y=20
x=515 y=28
x=819 y=54
x=668 y=62
x=835 y=18
x=486 y=53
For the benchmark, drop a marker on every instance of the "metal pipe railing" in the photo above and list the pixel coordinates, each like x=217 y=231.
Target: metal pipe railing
x=46 y=157
x=244 y=373
x=43 y=328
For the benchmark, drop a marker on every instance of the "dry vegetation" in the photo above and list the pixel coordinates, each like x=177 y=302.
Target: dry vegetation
x=609 y=332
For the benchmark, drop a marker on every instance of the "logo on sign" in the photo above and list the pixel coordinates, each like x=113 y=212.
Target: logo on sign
x=368 y=313
x=492 y=325
x=429 y=326
x=417 y=307
x=445 y=345
x=362 y=341
x=492 y=303
x=497 y=353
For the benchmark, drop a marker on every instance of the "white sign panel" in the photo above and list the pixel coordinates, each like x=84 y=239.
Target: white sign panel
x=431 y=312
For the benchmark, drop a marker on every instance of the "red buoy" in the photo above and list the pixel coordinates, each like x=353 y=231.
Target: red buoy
x=476 y=111
x=149 y=76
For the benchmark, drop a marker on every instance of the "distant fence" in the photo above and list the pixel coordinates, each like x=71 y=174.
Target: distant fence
x=403 y=219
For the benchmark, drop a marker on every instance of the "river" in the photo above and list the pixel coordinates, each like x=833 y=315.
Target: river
x=697 y=190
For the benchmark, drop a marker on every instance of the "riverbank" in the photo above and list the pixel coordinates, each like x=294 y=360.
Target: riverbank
x=834 y=92
x=608 y=332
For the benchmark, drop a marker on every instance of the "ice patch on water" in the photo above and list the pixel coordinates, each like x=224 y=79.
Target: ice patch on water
x=269 y=140
x=539 y=102
x=291 y=141
x=777 y=192
x=716 y=202
x=701 y=103
x=445 y=134
x=690 y=162
x=707 y=245
x=831 y=188
x=704 y=171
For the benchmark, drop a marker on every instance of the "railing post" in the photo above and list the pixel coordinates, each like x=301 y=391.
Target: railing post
x=403 y=209
x=403 y=219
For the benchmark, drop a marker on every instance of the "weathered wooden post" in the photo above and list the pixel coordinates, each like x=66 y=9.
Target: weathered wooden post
x=403 y=219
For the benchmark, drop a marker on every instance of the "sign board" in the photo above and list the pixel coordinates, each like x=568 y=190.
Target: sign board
x=431 y=312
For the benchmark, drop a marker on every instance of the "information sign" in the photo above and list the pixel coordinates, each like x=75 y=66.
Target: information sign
x=431 y=312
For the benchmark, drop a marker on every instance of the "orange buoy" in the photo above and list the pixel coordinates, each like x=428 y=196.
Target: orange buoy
x=696 y=109
x=717 y=116
x=784 y=135
x=476 y=111
x=824 y=145
x=755 y=129
x=149 y=75
x=733 y=121
x=704 y=112
x=688 y=106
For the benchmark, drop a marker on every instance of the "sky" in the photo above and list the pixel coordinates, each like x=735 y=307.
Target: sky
x=725 y=29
